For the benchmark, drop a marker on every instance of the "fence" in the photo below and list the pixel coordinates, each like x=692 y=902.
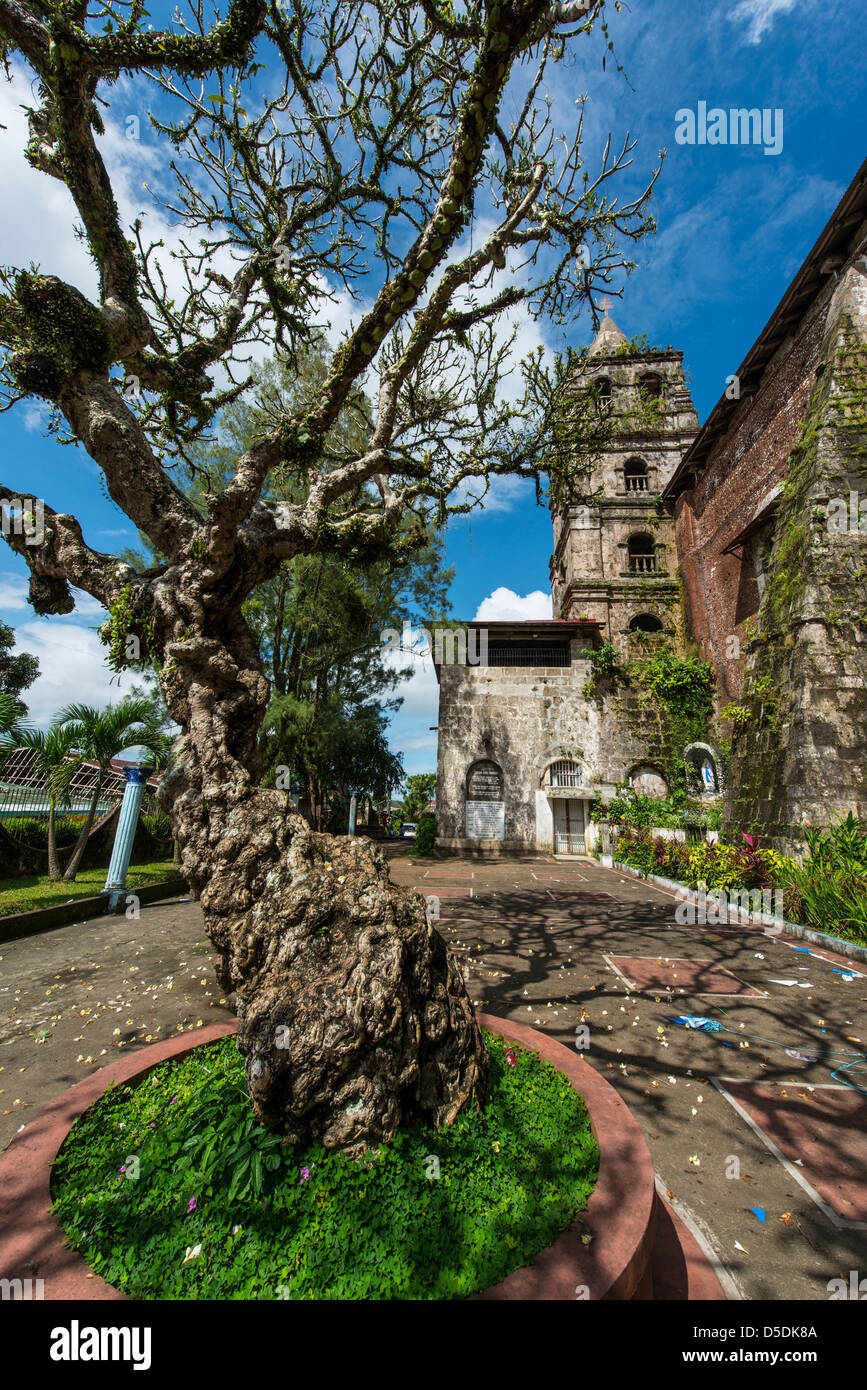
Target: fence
x=25 y=798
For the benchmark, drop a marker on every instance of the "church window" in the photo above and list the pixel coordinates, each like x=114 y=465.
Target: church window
x=603 y=388
x=650 y=385
x=645 y=622
x=524 y=654
x=642 y=554
x=564 y=774
x=635 y=475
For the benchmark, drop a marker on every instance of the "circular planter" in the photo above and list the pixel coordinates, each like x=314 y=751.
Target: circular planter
x=621 y=1213
x=620 y=1216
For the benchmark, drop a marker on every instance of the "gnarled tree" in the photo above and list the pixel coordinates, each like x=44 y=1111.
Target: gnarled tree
x=378 y=128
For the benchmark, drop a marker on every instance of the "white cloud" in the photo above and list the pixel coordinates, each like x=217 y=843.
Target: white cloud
x=410 y=729
x=504 y=605
x=34 y=416
x=86 y=606
x=505 y=494
x=41 y=229
x=759 y=15
x=71 y=668
x=13 y=592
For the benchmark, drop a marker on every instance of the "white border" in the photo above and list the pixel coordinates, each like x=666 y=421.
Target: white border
x=842 y=1223
x=687 y=993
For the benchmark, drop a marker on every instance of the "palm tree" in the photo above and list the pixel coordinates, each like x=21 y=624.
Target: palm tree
x=98 y=736
x=54 y=762
x=9 y=720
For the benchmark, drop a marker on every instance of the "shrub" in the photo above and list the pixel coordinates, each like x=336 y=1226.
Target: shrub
x=828 y=892
x=639 y=851
x=32 y=831
x=158 y=824
x=425 y=835
x=639 y=811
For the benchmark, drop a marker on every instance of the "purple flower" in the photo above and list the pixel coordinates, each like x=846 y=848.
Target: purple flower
x=192 y=1206
x=123 y=1167
x=173 y=1099
x=153 y=1124
x=305 y=1175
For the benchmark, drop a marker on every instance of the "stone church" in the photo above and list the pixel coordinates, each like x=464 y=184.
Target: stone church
x=711 y=541
x=522 y=750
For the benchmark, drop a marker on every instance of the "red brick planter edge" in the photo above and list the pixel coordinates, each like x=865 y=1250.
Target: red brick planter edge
x=620 y=1216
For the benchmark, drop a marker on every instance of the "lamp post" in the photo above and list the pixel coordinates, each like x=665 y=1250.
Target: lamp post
x=353 y=811
x=115 y=883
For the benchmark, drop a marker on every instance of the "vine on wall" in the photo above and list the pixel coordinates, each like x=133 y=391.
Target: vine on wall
x=672 y=706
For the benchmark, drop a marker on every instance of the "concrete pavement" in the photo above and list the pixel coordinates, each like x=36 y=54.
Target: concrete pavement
x=749 y=1117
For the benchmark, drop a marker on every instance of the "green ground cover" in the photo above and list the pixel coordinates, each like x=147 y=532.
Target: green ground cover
x=172 y=1190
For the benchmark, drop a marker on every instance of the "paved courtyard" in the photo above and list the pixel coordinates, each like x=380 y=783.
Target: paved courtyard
x=759 y=1141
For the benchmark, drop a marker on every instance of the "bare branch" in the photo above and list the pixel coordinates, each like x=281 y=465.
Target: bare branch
x=59 y=558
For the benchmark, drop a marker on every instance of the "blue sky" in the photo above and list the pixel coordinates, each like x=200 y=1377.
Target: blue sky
x=733 y=226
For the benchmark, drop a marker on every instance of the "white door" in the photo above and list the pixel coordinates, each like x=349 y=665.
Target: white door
x=568 y=826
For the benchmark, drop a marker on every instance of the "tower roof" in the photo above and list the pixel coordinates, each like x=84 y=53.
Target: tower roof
x=608 y=337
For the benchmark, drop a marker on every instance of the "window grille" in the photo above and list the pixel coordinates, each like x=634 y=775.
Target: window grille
x=564 y=774
x=528 y=656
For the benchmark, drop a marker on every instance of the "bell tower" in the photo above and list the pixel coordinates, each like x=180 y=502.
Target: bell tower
x=615 y=559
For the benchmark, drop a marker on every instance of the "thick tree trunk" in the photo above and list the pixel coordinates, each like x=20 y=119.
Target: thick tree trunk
x=351 y=1016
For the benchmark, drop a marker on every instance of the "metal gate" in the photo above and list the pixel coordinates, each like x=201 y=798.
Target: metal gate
x=568 y=826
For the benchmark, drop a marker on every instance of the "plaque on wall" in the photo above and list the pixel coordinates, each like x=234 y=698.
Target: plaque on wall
x=484 y=782
x=486 y=820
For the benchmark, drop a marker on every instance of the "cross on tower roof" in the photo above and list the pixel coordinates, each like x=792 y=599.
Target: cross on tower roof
x=605 y=304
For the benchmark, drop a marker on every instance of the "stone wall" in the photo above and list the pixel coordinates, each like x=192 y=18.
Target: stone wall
x=524 y=719
x=802 y=753
x=590 y=573
x=743 y=472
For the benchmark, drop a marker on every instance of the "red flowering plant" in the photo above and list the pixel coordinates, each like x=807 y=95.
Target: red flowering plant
x=752 y=862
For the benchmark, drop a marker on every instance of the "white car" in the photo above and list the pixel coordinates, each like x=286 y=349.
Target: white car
x=407 y=830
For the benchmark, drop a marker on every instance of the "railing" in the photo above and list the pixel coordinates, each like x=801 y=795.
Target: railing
x=642 y=564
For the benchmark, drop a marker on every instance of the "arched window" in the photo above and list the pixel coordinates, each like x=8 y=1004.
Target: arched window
x=650 y=384
x=645 y=622
x=564 y=774
x=635 y=475
x=642 y=554
x=603 y=388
